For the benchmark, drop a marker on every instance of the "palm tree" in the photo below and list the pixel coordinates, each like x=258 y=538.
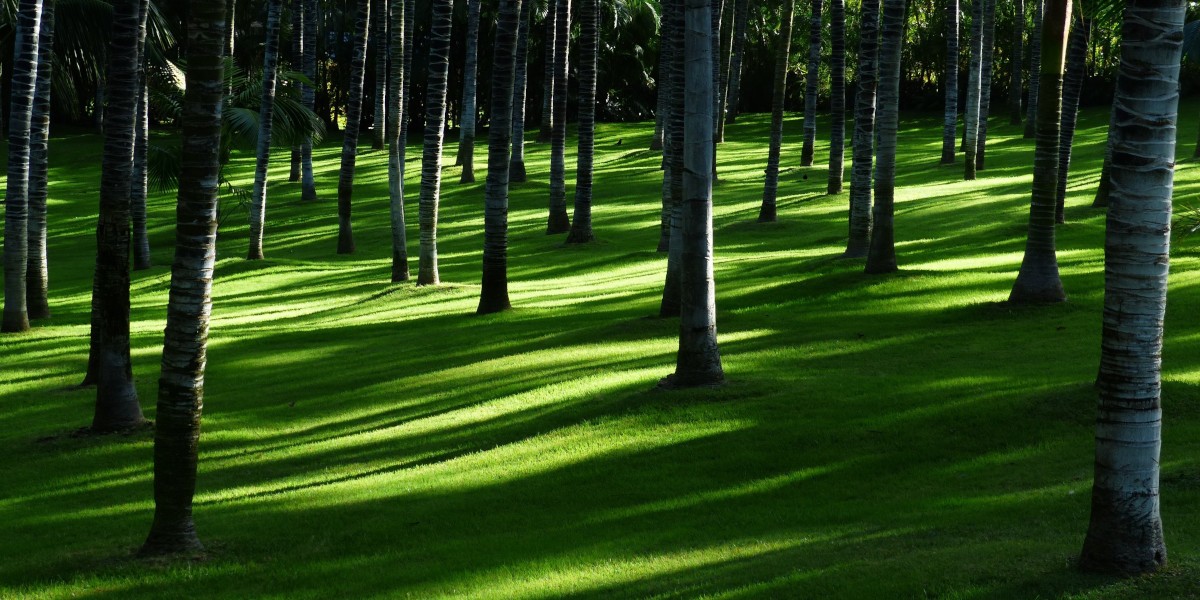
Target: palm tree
x=516 y=163
x=1038 y=279
x=950 y=83
x=395 y=108
x=308 y=188
x=725 y=56
x=668 y=43
x=1014 y=82
x=882 y=256
x=733 y=94
x=379 y=41
x=16 y=201
x=435 y=118
x=589 y=42
x=673 y=144
x=837 y=92
x=864 y=132
x=661 y=89
x=813 y=80
x=714 y=39
x=493 y=296
x=116 y=396
x=353 y=119
x=258 y=200
x=297 y=63
x=37 y=289
x=546 y=131
x=558 y=221
x=985 y=79
x=181 y=386
x=466 y=141
x=1035 y=62
x=1104 y=189
x=1072 y=89
x=698 y=362
x=1125 y=534
x=974 y=89
x=783 y=48
x=138 y=191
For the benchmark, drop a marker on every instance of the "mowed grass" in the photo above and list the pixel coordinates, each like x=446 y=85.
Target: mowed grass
x=904 y=436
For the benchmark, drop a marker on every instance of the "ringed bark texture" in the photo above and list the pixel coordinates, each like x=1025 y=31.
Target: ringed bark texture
x=466 y=142
x=395 y=107
x=379 y=16
x=516 y=163
x=37 y=273
x=546 y=130
x=1072 y=90
x=740 y=14
x=558 y=221
x=140 y=186
x=1035 y=68
x=864 y=133
x=950 y=82
x=431 y=157
x=974 y=87
x=308 y=96
x=882 y=256
x=1015 y=81
x=837 y=94
x=353 y=121
x=767 y=213
x=266 y=114
x=589 y=42
x=672 y=288
x=985 y=79
x=813 y=77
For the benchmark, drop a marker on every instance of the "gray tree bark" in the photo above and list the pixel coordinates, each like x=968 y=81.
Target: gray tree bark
x=396 y=88
x=516 y=163
x=864 y=132
x=558 y=221
x=837 y=95
x=813 y=79
x=881 y=257
x=266 y=115
x=466 y=142
x=431 y=158
x=37 y=274
x=950 y=82
x=589 y=46
x=768 y=212
x=350 y=135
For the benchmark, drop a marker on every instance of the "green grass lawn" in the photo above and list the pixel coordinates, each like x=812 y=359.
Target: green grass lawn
x=903 y=436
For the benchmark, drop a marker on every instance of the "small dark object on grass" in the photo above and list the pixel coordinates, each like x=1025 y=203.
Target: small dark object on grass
x=620 y=141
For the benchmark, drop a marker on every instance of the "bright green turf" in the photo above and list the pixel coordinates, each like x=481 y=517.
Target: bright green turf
x=900 y=436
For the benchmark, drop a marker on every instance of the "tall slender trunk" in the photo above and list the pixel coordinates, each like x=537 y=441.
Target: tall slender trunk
x=16 y=200
x=466 y=142
x=141 y=183
x=353 y=120
x=558 y=221
x=1125 y=534
x=661 y=90
x=589 y=48
x=435 y=118
x=266 y=114
x=379 y=38
x=37 y=276
x=116 y=396
x=950 y=82
x=1035 y=68
x=1072 y=89
x=493 y=295
x=725 y=56
x=546 y=131
x=837 y=94
x=674 y=142
x=767 y=213
x=864 y=132
x=297 y=63
x=1104 y=189
x=230 y=31
x=813 y=78
x=1038 y=279
x=1018 y=49
x=733 y=96
x=189 y=306
x=516 y=163
x=668 y=78
x=308 y=96
x=698 y=362
x=882 y=255
x=974 y=89
x=396 y=87
x=715 y=41
x=985 y=79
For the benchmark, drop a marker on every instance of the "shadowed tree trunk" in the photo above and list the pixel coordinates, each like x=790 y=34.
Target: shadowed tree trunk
x=140 y=186
x=974 y=89
x=1018 y=48
x=37 y=276
x=1072 y=89
x=674 y=142
x=837 y=94
x=1125 y=535
x=1105 y=187
x=431 y=158
x=297 y=63
x=558 y=221
x=1035 y=68
x=266 y=114
x=16 y=200
x=493 y=295
x=669 y=41
x=783 y=47
x=516 y=163
x=181 y=385
x=662 y=91
x=396 y=88
x=1038 y=279
x=353 y=121
x=724 y=57
x=864 y=132
x=379 y=32
x=466 y=141
x=882 y=256
x=813 y=78
x=546 y=131
x=308 y=188
x=116 y=396
x=985 y=79
x=715 y=40
x=950 y=83
x=733 y=96
x=589 y=47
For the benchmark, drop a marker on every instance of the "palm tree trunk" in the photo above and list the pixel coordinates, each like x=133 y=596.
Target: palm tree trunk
x=116 y=396
x=668 y=78
x=589 y=42
x=516 y=163
x=16 y=200
x=674 y=146
x=813 y=78
x=985 y=79
x=1038 y=279
x=974 y=90
x=140 y=187
x=1105 y=188
x=379 y=41
x=353 y=120
x=1125 y=535
x=37 y=277
x=864 y=132
x=724 y=57
x=837 y=95
x=767 y=213
x=698 y=362
x=546 y=131
x=715 y=40
x=297 y=63
x=181 y=386
x=435 y=118
x=741 y=8
x=558 y=221
x=661 y=89
x=466 y=142
x=950 y=82
x=396 y=87
x=1072 y=89
x=493 y=295
x=882 y=256
x=1015 y=80
x=266 y=114
x=1035 y=66
x=308 y=188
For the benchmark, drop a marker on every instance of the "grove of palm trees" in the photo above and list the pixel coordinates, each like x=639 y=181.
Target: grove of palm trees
x=711 y=299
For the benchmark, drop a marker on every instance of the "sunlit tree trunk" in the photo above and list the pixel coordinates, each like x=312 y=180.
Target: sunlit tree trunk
x=466 y=142
x=837 y=94
x=1035 y=66
x=37 y=274
x=1125 y=535
x=308 y=95
x=379 y=39
x=733 y=96
x=516 y=163
x=1072 y=89
x=558 y=221
x=353 y=120
x=431 y=158
x=546 y=131
x=1018 y=48
x=882 y=255
x=671 y=190
x=864 y=132
x=813 y=79
x=266 y=115
x=589 y=48
x=396 y=101
x=974 y=89
x=783 y=46
x=140 y=187
x=1038 y=280
x=189 y=305
x=985 y=79
x=950 y=82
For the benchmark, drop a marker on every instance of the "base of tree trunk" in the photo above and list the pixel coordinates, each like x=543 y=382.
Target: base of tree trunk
x=947 y=158
x=678 y=381
x=308 y=194
x=656 y=145
x=767 y=214
x=580 y=236
x=493 y=302
x=399 y=267
x=664 y=242
x=254 y=254
x=558 y=222
x=880 y=266
x=180 y=542
x=37 y=309
x=15 y=322
x=1118 y=545
x=345 y=243
x=141 y=264
x=835 y=187
x=1042 y=291
x=468 y=175
x=731 y=118
x=855 y=250
x=516 y=171
x=544 y=135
